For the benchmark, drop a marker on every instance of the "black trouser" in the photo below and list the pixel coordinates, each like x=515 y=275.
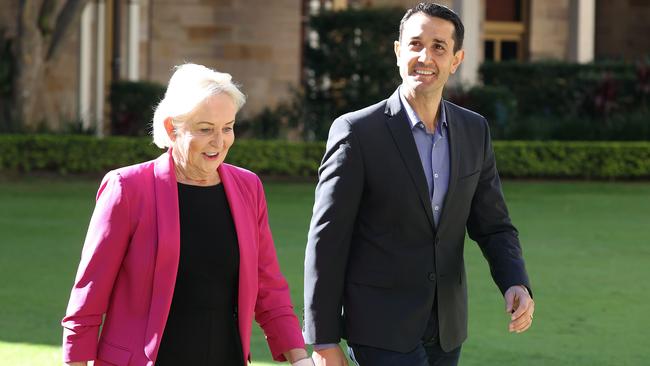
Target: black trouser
x=425 y=354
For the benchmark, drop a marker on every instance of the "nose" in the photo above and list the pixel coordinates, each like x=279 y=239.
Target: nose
x=217 y=140
x=425 y=55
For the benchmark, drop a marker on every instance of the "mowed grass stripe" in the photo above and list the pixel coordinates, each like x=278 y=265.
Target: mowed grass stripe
x=586 y=245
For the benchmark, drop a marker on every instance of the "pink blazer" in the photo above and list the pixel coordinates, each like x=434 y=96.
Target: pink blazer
x=130 y=259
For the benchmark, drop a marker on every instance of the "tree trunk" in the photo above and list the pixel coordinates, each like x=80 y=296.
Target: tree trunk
x=42 y=28
x=28 y=77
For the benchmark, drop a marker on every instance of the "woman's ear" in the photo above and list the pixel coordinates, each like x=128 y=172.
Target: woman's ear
x=169 y=127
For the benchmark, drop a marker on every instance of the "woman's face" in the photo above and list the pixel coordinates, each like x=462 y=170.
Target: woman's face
x=201 y=143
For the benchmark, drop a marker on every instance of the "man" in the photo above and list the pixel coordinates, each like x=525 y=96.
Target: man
x=399 y=184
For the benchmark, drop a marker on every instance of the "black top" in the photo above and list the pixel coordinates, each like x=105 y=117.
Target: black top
x=202 y=324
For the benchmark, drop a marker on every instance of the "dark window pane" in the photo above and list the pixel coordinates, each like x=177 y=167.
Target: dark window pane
x=503 y=10
x=488 y=46
x=509 y=50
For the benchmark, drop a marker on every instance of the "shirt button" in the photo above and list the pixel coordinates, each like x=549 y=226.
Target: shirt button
x=437 y=208
x=435 y=175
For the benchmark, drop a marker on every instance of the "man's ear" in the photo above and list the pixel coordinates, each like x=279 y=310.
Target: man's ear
x=396 y=46
x=458 y=59
x=169 y=127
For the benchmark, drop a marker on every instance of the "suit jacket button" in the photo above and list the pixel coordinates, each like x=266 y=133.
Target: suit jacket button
x=436 y=241
x=432 y=276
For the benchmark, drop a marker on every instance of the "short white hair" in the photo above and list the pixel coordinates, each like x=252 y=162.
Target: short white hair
x=189 y=86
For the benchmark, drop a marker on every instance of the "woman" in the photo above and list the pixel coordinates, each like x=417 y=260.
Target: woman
x=179 y=255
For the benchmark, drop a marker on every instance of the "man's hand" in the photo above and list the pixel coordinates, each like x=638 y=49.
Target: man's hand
x=329 y=357
x=297 y=354
x=521 y=307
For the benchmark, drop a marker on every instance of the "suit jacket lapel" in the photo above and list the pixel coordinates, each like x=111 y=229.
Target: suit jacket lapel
x=167 y=253
x=400 y=128
x=454 y=159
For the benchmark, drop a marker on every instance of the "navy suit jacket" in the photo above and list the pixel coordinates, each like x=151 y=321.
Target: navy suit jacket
x=375 y=259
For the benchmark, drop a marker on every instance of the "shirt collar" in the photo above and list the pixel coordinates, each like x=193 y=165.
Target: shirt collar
x=413 y=117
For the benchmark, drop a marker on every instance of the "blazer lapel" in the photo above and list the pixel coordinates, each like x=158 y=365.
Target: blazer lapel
x=244 y=226
x=167 y=253
x=400 y=128
x=454 y=158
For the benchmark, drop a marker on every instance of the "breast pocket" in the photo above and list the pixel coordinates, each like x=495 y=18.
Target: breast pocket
x=469 y=175
x=108 y=354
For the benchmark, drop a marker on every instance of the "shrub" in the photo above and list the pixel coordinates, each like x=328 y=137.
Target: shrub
x=86 y=154
x=496 y=103
x=515 y=159
x=351 y=66
x=560 y=159
x=132 y=106
x=553 y=88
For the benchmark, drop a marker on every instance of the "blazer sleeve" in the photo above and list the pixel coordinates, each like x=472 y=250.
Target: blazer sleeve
x=490 y=226
x=103 y=250
x=337 y=198
x=273 y=309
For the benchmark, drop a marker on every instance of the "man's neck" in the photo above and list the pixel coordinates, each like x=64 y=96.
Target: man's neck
x=426 y=106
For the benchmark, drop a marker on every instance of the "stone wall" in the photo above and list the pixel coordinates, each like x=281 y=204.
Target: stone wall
x=622 y=29
x=259 y=45
x=549 y=29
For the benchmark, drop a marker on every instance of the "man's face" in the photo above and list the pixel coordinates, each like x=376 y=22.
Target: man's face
x=425 y=54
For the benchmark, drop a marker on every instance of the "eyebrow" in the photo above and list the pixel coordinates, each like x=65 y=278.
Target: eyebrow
x=212 y=123
x=437 y=40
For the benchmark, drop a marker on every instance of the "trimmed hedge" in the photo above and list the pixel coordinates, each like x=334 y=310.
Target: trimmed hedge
x=584 y=160
x=515 y=159
x=86 y=154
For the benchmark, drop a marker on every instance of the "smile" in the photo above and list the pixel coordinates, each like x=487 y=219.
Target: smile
x=211 y=156
x=424 y=72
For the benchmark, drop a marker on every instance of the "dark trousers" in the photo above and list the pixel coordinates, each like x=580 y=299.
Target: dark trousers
x=425 y=354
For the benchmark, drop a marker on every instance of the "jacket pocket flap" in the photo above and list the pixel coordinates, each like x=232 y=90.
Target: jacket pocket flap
x=465 y=176
x=113 y=354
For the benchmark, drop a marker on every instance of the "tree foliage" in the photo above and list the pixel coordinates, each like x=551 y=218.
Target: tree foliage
x=350 y=66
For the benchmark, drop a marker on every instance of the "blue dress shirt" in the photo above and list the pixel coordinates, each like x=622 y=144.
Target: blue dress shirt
x=433 y=148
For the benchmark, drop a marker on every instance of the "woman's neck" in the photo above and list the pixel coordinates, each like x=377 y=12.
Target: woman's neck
x=195 y=177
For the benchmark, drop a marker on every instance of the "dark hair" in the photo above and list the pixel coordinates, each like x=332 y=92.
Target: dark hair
x=438 y=11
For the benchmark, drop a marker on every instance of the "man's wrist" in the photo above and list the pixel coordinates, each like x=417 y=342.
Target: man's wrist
x=324 y=346
x=303 y=362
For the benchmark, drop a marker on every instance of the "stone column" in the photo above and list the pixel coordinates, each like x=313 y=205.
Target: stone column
x=582 y=30
x=100 y=16
x=85 y=63
x=133 y=43
x=471 y=13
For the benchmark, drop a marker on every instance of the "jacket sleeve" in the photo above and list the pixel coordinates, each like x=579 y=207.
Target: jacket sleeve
x=103 y=250
x=337 y=198
x=273 y=309
x=490 y=226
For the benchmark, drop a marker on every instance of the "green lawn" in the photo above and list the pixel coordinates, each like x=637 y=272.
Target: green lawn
x=586 y=244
